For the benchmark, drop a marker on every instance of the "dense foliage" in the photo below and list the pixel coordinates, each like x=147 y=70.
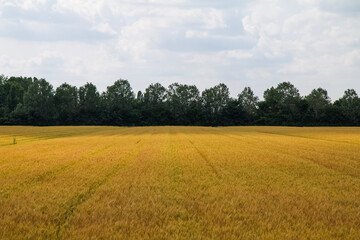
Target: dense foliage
x=32 y=101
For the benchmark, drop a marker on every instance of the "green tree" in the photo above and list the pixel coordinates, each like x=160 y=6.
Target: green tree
x=137 y=108
x=14 y=90
x=155 y=94
x=89 y=103
x=234 y=114
x=318 y=100
x=282 y=105
x=25 y=82
x=214 y=101
x=19 y=115
x=120 y=99
x=2 y=97
x=14 y=95
x=183 y=102
x=66 y=102
x=140 y=96
x=249 y=103
x=155 y=111
x=349 y=105
x=32 y=101
x=39 y=102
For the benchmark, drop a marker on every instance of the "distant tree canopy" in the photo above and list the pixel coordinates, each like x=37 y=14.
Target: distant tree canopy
x=32 y=101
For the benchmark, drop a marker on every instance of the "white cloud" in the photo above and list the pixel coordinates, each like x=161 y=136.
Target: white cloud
x=196 y=34
x=237 y=54
x=257 y=43
x=24 y=4
x=88 y=9
x=105 y=28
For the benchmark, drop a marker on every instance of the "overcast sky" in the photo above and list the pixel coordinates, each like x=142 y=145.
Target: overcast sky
x=203 y=42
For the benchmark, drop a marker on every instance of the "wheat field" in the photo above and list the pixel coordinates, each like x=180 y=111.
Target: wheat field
x=179 y=183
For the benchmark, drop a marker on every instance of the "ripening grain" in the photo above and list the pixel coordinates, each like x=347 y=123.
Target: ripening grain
x=179 y=183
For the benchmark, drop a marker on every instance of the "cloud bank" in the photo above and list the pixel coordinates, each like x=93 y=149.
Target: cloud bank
x=241 y=43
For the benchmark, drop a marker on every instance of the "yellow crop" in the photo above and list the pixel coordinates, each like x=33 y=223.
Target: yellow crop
x=179 y=183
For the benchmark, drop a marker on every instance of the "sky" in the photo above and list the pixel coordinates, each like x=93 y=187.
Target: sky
x=203 y=42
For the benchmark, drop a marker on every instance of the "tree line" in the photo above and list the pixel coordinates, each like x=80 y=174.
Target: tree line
x=33 y=101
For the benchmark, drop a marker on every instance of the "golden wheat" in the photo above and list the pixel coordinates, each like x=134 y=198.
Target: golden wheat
x=179 y=183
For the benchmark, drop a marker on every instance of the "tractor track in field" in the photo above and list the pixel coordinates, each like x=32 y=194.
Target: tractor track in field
x=234 y=136
x=301 y=157
x=315 y=139
x=84 y=196
x=52 y=172
x=79 y=199
x=281 y=152
x=205 y=159
x=5 y=162
x=49 y=174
